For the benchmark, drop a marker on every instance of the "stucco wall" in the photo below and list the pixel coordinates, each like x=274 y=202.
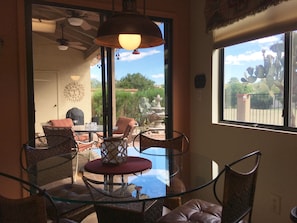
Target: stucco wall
x=278 y=169
x=47 y=57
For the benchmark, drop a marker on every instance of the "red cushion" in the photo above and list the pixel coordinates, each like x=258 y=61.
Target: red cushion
x=66 y=122
x=122 y=124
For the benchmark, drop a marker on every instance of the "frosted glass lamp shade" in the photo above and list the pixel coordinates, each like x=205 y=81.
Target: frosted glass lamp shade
x=129 y=41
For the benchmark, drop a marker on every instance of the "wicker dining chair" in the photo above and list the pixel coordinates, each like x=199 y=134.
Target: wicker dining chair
x=235 y=202
x=179 y=144
x=84 y=147
x=50 y=164
x=133 y=211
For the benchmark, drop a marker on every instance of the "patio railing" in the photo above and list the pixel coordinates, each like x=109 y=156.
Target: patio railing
x=258 y=108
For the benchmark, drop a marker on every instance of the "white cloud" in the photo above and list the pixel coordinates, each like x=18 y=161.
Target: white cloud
x=237 y=59
x=270 y=40
x=251 y=55
x=158 y=76
x=246 y=57
x=128 y=56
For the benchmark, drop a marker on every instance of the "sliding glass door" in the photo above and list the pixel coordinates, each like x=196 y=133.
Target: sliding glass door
x=105 y=83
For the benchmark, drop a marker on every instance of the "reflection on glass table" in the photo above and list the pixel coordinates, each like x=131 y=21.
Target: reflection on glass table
x=151 y=182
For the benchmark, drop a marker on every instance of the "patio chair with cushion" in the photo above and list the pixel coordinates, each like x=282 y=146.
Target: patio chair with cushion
x=124 y=128
x=84 y=148
x=68 y=123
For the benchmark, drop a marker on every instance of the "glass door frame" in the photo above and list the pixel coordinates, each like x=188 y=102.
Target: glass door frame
x=107 y=74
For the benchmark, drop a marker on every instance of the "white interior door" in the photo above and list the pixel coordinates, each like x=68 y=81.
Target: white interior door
x=45 y=97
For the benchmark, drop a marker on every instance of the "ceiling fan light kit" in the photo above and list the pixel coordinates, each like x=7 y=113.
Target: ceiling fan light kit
x=62 y=47
x=75 y=21
x=64 y=44
x=130 y=22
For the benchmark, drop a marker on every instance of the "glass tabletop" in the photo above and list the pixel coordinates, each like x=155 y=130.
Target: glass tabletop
x=164 y=178
x=88 y=128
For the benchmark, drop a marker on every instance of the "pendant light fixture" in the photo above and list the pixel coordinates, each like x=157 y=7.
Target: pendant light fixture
x=129 y=29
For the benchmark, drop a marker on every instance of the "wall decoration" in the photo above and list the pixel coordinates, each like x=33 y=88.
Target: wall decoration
x=74 y=91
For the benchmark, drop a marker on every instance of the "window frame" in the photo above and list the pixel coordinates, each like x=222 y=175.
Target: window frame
x=288 y=41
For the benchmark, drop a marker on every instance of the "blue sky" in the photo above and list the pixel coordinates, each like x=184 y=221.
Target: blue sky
x=150 y=63
x=239 y=57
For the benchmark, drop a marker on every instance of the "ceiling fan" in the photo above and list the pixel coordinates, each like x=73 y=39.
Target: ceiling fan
x=65 y=43
x=77 y=18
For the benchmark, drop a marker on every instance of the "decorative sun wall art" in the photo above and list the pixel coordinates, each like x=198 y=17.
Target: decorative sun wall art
x=74 y=91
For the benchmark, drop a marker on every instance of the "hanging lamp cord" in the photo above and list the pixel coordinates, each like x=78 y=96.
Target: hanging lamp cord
x=144 y=5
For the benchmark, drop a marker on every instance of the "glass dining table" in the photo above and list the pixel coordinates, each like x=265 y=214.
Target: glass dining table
x=154 y=176
x=90 y=128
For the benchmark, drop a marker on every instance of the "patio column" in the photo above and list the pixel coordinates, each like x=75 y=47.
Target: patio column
x=243 y=107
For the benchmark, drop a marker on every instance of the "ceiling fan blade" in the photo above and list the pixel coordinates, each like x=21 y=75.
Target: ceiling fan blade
x=60 y=19
x=78 y=47
x=85 y=25
x=92 y=16
x=75 y=43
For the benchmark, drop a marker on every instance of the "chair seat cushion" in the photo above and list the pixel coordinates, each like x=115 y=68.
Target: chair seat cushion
x=67 y=122
x=195 y=210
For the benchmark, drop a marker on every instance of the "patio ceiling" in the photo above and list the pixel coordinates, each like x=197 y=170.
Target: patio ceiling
x=79 y=37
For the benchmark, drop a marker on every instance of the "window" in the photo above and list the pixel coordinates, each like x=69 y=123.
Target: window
x=259 y=82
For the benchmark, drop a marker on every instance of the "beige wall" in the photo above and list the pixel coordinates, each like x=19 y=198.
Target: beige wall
x=278 y=170
x=47 y=57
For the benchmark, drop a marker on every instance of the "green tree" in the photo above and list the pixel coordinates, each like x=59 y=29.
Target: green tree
x=97 y=108
x=127 y=103
x=233 y=88
x=95 y=83
x=135 y=81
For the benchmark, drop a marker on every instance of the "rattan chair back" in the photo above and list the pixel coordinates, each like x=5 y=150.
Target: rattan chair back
x=179 y=142
x=132 y=210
